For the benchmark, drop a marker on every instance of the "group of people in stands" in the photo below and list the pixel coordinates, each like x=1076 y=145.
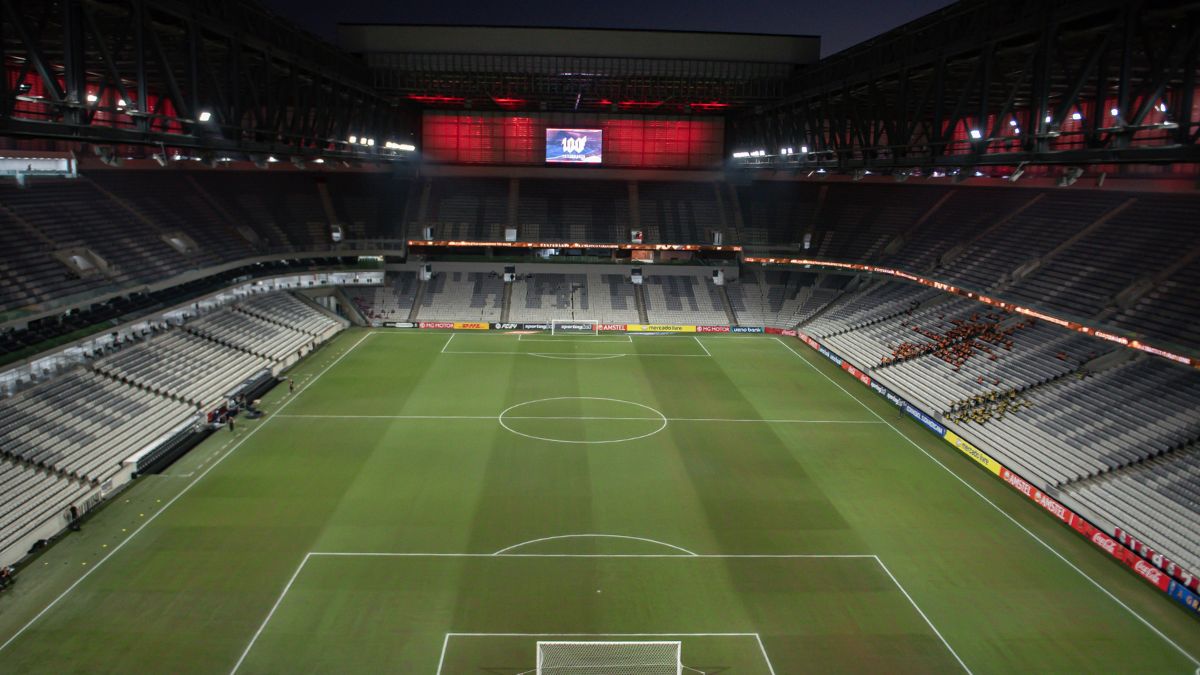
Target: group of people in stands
x=982 y=407
x=968 y=337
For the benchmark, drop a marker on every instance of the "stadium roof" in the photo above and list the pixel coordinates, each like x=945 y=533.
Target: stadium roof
x=579 y=69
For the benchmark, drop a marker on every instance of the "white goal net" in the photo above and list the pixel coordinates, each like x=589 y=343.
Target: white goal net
x=609 y=658
x=573 y=327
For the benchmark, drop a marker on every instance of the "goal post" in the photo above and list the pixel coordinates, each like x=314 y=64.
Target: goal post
x=574 y=327
x=609 y=658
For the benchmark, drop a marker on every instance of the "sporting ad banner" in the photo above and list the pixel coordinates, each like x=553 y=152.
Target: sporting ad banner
x=535 y=326
x=435 y=324
x=653 y=328
x=470 y=325
x=613 y=327
x=712 y=329
x=745 y=329
x=981 y=458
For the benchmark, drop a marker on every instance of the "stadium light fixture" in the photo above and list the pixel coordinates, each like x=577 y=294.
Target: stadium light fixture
x=1017 y=130
x=1114 y=112
x=406 y=147
x=740 y=155
x=371 y=142
x=272 y=158
x=1162 y=107
x=1077 y=116
x=204 y=116
x=92 y=98
x=319 y=160
x=354 y=139
x=804 y=149
x=1012 y=123
x=1049 y=119
x=121 y=104
x=976 y=134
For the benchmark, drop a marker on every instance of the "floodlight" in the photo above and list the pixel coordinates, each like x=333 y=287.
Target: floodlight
x=976 y=134
x=204 y=116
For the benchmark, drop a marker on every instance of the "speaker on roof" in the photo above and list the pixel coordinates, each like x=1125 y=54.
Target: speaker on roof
x=718 y=237
x=510 y=273
x=718 y=277
x=426 y=272
x=636 y=275
x=427 y=233
x=510 y=233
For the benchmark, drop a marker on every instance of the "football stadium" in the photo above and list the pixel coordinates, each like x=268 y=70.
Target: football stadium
x=504 y=350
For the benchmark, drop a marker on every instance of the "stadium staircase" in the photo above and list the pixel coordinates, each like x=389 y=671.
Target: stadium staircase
x=505 y=311
x=639 y=296
x=418 y=299
x=729 y=315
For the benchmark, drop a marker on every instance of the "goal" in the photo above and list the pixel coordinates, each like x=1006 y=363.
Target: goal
x=574 y=326
x=609 y=658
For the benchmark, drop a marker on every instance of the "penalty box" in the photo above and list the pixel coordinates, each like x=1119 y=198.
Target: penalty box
x=485 y=613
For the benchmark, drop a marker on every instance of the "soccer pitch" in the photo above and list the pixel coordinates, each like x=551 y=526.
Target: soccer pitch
x=441 y=502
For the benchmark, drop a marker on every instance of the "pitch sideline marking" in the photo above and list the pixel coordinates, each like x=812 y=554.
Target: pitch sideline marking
x=287 y=587
x=722 y=420
x=569 y=357
x=182 y=492
x=993 y=504
x=767 y=659
x=698 y=341
x=593 y=535
x=448 y=342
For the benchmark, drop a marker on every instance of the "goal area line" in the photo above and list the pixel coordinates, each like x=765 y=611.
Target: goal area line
x=676 y=556
x=631 y=636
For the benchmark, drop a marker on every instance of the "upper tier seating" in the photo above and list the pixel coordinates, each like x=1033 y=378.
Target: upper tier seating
x=574 y=210
x=468 y=208
x=680 y=213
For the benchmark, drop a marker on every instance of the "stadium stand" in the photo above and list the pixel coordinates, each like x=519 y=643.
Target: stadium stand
x=391 y=302
x=781 y=299
x=677 y=212
x=468 y=208
x=289 y=311
x=575 y=210
x=32 y=496
x=548 y=297
x=686 y=299
x=83 y=425
x=462 y=296
x=183 y=366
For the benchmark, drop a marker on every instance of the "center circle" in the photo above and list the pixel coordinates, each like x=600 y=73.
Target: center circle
x=582 y=420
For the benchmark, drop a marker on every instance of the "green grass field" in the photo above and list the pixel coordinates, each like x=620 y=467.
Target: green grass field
x=433 y=502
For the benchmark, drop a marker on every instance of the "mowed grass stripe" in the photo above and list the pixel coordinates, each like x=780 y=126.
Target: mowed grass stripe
x=190 y=590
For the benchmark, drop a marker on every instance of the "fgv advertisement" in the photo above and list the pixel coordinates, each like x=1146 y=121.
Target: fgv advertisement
x=573 y=146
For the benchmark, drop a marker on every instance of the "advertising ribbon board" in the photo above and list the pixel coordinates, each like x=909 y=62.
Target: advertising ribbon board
x=654 y=328
x=471 y=325
x=435 y=324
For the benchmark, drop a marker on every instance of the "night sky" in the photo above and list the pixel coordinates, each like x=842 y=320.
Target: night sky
x=840 y=24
